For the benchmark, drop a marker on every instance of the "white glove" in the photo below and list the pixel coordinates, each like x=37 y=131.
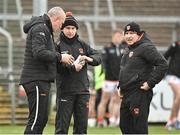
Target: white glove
x=79 y=60
x=79 y=63
x=78 y=67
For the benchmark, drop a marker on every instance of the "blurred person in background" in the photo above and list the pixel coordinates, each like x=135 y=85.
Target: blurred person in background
x=39 y=68
x=99 y=77
x=142 y=67
x=173 y=79
x=111 y=55
x=92 y=91
x=72 y=80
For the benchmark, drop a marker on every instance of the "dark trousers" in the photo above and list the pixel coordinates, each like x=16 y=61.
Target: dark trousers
x=134 y=112
x=37 y=94
x=76 y=105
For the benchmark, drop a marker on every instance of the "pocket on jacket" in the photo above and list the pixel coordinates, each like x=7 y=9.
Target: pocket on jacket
x=44 y=86
x=29 y=87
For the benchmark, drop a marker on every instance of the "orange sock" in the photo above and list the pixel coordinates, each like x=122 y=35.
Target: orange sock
x=100 y=120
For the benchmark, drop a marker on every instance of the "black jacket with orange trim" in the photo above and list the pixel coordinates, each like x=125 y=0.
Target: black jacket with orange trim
x=69 y=81
x=141 y=63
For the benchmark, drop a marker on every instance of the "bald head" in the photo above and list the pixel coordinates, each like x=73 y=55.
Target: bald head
x=56 y=11
x=117 y=37
x=57 y=17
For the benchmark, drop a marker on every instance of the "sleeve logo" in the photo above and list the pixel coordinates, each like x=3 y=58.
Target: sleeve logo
x=42 y=33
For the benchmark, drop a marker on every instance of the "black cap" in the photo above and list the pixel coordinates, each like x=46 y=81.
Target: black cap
x=132 y=27
x=70 y=20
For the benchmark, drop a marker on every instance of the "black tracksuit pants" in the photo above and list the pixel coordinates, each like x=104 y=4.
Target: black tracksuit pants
x=134 y=112
x=76 y=105
x=37 y=94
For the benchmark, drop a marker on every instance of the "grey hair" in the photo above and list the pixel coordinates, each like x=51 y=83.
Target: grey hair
x=55 y=11
x=117 y=31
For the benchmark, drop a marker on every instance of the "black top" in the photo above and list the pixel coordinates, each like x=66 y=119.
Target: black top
x=111 y=60
x=141 y=63
x=173 y=53
x=69 y=81
x=40 y=56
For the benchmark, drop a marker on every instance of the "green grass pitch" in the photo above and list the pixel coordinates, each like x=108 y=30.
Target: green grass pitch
x=49 y=129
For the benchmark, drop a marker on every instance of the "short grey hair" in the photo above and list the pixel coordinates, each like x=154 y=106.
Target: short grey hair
x=117 y=31
x=55 y=11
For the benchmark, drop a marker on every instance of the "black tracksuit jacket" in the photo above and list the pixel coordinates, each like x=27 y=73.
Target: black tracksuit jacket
x=69 y=81
x=40 y=55
x=173 y=53
x=111 y=60
x=141 y=63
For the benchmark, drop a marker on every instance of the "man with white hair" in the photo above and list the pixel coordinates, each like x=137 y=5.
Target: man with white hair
x=39 y=68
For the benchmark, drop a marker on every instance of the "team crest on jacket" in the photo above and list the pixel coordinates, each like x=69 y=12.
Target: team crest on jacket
x=81 y=51
x=131 y=54
x=136 y=111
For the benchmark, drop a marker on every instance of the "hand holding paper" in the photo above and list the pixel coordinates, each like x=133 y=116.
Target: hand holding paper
x=86 y=58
